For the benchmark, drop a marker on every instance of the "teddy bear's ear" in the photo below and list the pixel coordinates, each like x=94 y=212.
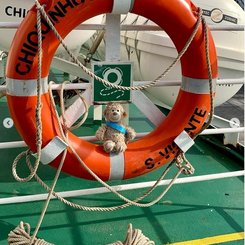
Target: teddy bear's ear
x=124 y=114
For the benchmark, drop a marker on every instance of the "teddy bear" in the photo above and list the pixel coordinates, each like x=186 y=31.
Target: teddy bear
x=114 y=134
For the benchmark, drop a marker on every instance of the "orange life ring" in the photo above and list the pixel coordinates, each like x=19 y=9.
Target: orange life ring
x=142 y=156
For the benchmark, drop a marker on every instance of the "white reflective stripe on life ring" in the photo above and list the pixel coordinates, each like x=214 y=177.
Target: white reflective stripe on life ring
x=197 y=86
x=52 y=150
x=17 y=87
x=116 y=166
x=122 y=6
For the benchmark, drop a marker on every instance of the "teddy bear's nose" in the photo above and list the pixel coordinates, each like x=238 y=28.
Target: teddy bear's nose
x=114 y=113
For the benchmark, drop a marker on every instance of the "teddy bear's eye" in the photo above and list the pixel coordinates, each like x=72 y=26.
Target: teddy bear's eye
x=117 y=110
x=112 y=110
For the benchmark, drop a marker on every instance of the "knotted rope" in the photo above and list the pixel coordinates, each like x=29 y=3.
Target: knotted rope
x=134 y=237
x=21 y=236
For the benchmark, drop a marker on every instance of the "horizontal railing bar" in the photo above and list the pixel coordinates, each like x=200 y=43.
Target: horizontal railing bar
x=19 y=144
x=9 y=25
x=223 y=131
x=73 y=86
x=126 y=187
x=178 y=83
x=230 y=81
x=125 y=27
x=226 y=27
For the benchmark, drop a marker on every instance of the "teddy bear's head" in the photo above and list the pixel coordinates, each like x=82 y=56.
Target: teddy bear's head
x=114 y=112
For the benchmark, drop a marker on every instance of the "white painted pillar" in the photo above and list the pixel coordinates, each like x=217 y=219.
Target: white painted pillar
x=112 y=50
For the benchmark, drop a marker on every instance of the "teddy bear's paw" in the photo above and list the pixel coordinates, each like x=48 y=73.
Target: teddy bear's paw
x=109 y=146
x=131 y=134
x=120 y=147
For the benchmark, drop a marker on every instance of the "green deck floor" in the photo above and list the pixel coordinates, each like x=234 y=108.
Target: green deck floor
x=187 y=212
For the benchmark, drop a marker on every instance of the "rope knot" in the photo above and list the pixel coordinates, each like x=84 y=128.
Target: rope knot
x=184 y=165
x=134 y=237
x=21 y=235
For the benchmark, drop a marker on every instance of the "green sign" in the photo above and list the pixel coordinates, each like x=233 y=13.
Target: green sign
x=115 y=73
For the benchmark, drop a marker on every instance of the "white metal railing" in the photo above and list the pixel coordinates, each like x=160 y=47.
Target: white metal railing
x=73 y=86
x=19 y=144
x=124 y=27
x=101 y=190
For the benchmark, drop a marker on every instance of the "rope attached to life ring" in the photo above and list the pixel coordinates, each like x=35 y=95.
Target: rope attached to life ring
x=135 y=237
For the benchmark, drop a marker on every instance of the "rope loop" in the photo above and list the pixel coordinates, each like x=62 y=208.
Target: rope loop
x=25 y=154
x=62 y=106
